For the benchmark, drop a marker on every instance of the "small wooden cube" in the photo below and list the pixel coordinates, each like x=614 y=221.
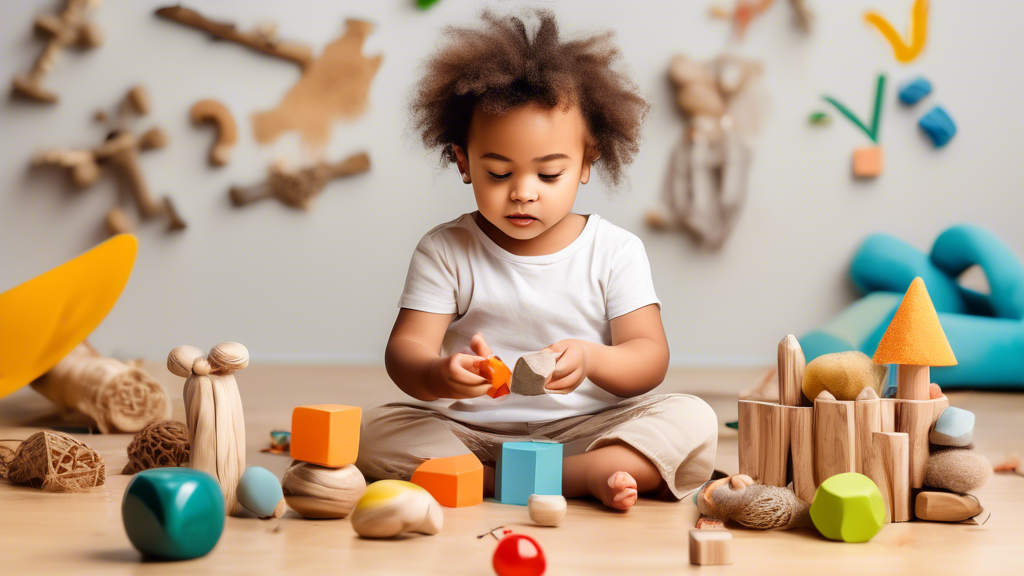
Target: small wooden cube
x=710 y=547
x=326 y=434
x=867 y=162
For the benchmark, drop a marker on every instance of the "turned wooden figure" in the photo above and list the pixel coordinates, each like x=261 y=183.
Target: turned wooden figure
x=213 y=409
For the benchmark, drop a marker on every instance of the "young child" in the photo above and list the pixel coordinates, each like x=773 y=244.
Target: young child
x=524 y=119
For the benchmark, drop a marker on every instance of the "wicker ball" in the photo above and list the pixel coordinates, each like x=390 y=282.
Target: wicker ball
x=159 y=445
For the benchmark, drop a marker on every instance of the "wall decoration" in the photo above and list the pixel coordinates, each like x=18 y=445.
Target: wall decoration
x=745 y=11
x=708 y=175
x=297 y=188
x=70 y=27
x=867 y=162
x=263 y=39
x=917 y=33
x=120 y=151
x=335 y=86
x=216 y=113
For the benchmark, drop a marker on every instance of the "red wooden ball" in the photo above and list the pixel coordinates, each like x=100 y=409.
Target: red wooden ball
x=519 y=555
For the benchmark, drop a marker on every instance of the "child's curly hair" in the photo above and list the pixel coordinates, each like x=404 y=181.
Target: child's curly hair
x=499 y=67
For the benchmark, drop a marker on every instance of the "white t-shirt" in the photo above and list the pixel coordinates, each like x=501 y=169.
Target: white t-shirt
x=522 y=304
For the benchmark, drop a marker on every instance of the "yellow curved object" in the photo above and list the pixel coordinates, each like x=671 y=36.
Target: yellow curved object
x=917 y=34
x=44 y=318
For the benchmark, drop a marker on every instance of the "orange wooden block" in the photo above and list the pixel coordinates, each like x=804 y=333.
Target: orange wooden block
x=454 y=482
x=326 y=434
x=867 y=162
x=498 y=373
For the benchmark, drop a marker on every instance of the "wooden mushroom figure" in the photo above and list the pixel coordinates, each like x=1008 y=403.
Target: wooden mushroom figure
x=213 y=409
x=915 y=341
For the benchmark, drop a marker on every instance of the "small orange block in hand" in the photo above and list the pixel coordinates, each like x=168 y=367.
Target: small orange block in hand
x=454 y=482
x=326 y=434
x=498 y=373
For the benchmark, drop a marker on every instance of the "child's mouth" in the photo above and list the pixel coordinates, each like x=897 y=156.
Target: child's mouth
x=521 y=219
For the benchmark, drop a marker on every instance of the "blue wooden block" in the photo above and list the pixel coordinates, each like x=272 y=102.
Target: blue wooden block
x=913 y=90
x=526 y=468
x=955 y=427
x=938 y=125
x=173 y=513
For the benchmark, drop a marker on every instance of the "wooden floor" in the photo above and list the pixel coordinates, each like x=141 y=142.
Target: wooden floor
x=82 y=533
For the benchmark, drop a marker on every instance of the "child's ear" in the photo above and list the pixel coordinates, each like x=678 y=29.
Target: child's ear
x=589 y=158
x=462 y=162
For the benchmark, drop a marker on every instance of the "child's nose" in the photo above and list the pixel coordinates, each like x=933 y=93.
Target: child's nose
x=523 y=192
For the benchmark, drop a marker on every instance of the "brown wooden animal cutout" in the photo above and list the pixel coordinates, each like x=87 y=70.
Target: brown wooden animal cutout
x=298 y=188
x=120 y=151
x=68 y=28
x=213 y=410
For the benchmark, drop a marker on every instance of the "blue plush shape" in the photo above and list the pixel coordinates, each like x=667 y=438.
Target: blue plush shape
x=955 y=427
x=526 y=468
x=985 y=331
x=938 y=126
x=259 y=491
x=173 y=513
x=884 y=263
x=913 y=90
x=960 y=247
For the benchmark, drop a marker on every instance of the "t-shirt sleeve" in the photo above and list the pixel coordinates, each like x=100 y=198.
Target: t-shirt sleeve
x=630 y=285
x=430 y=285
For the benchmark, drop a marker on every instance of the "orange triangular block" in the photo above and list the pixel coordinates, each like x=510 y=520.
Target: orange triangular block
x=455 y=481
x=915 y=336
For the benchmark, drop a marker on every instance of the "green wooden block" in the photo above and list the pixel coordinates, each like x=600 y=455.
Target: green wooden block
x=173 y=513
x=848 y=507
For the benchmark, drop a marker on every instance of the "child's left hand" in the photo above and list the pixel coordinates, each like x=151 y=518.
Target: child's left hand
x=570 y=368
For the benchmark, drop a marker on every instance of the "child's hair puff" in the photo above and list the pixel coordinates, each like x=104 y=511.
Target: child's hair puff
x=499 y=67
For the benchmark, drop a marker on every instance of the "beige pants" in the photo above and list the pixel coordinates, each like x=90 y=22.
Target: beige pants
x=677 y=432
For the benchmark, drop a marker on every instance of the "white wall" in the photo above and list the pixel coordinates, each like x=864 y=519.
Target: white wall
x=322 y=286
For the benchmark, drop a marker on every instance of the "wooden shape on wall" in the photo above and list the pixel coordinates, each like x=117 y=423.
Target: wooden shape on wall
x=335 y=86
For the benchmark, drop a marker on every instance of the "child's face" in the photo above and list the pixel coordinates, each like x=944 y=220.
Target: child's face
x=526 y=167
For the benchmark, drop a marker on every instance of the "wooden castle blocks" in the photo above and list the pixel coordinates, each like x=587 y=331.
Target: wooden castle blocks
x=454 y=482
x=326 y=434
x=885 y=439
x=526 y=468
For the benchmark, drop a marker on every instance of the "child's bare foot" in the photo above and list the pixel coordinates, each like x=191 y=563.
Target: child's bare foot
x=618 y=491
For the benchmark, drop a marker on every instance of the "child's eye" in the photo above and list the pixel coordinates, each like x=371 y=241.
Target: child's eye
x=500 y=176
x=550 y=177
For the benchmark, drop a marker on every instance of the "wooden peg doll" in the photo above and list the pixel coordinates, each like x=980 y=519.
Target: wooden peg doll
x=213 y=408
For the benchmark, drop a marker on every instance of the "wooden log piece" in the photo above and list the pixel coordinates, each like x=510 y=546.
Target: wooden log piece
x=801 y=442
x=791 y=372
x=915 y=418
x=834 y=437
x=868 y=420
x=912 y=382
x=764 y=445
x=888 y=466
x=946 y=507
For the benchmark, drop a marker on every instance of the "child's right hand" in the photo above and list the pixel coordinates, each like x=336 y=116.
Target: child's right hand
x=458 y=376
